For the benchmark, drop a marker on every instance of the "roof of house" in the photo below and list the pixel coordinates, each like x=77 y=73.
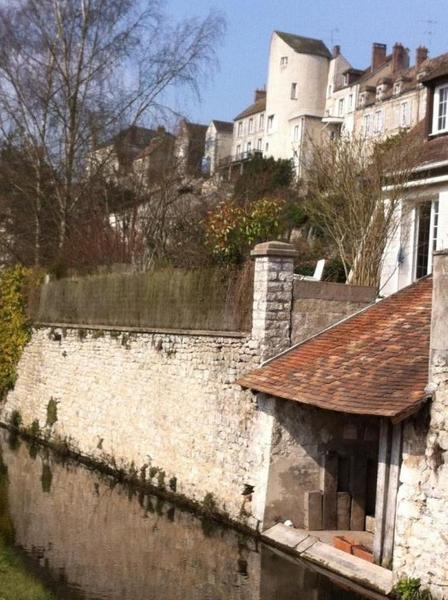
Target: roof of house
x=134 y=135
x=373 y=363
x=253 y=109
x=223 y=126
x=305 y=45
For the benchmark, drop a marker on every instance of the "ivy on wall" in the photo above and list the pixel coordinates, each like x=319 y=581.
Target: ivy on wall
x=15 y=329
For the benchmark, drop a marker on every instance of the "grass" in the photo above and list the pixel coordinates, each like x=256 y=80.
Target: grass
x=15 y=582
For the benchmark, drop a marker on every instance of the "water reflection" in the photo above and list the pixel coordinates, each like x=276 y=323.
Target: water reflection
x=92 y=539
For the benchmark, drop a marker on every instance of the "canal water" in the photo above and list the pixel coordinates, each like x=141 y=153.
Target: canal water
x=89 y=538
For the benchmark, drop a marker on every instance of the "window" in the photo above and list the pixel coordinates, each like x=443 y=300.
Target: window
x=293 y=91
x=341 y=107
x=397 y=88
x=249 y=147
x=427 y=224
x=366 y=125
x=379 y=121
x=259 y=144
x=405 y=114
x=251 y=125
x=350 y=102
x=439 y=121
x=267 y=148
x=329 y=90
x=270 y=122
x=238 y=150
x=284 y=61
x=295 y=135
x=261 y=121
x=240 y=129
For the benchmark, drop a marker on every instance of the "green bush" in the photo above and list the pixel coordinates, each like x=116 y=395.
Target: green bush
x=15 y=327
x=409 y=588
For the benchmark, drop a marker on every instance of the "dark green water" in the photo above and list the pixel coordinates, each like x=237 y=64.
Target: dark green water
x=89 y=538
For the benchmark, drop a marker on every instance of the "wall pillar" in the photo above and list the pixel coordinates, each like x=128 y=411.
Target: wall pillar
x=273 y=290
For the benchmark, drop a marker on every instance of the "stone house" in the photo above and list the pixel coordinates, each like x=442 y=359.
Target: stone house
x=358 y=430
x=114 y=157
x=189 y=148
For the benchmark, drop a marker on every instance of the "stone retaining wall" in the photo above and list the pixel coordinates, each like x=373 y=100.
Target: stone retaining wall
x=167 y=401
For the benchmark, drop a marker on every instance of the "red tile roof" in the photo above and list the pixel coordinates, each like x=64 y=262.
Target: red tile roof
x=373 y=363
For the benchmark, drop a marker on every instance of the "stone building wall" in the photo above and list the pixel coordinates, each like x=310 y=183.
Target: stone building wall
x=302 y=435
x=421 y=532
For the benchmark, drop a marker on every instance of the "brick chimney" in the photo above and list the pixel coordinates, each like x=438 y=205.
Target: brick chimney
x=400 y=58
x=378 y=55
x=336 y=51
x=259 y=95
x=421 y=54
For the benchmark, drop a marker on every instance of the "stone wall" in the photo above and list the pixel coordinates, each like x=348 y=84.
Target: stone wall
x=421 y=534
x=167 y=401
x=319 y=304
x=302 y=435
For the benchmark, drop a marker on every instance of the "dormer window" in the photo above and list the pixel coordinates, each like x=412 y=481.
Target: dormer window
x=362 y=98
x=440 y=111
x=397 y=88
x=380 y=89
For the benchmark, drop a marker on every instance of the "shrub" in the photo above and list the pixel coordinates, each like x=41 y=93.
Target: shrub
x=15 y=329
x=409 y=588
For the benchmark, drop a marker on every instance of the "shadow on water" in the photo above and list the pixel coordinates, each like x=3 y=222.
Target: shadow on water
x=88 y=538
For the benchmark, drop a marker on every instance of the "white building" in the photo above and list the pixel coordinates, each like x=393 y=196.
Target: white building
x=218 y=145
x=249 y=128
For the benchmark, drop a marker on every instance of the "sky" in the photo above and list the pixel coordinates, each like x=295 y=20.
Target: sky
x=353 y=24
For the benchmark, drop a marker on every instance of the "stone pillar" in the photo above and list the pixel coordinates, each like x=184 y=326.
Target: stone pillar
x=273 y=289
x=439 y=317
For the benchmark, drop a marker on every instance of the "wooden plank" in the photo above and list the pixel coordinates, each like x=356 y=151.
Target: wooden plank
x=381 y=490
x=392 y=491
x=313 y=510
x=330 y=488
x=343 y=512
x=358 y=489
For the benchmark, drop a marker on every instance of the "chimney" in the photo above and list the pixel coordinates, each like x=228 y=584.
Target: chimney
x=259 y=95
x=336 y=51
x=400 y=58
x=378 y=55
x=421 y=54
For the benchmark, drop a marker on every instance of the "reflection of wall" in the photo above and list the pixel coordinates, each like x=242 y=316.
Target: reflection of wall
x=112 y=546
x=302 y=435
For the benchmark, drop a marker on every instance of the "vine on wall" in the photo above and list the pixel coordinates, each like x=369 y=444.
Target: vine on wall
x=15 y=327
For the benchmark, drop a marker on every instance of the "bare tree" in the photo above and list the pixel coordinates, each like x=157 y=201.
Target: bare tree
x=354 y=186
x=73 y=72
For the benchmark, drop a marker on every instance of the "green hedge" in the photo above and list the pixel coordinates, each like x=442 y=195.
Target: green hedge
x=15 y=328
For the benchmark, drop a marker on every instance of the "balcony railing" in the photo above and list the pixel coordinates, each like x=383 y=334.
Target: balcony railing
x=238 y=158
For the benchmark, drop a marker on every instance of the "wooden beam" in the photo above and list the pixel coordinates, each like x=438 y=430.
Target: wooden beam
x=381 y=490
x=358 y=485
x=330 y=490
x=392 y=491
x=313 y=510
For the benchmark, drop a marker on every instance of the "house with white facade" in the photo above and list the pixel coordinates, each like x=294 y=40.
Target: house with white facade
x=218 y=145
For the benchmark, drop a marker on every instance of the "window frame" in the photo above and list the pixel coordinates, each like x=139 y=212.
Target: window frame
x=251 y=125
x=294 y=90
x=436 y=109
x=341 y=107
x=261 y=121
x=270 y=123
x=405 y=116
x=240 y=129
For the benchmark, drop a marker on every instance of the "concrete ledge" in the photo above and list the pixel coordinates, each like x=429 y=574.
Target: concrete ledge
x=307 y=547
x=198 y=332
x=330 y=290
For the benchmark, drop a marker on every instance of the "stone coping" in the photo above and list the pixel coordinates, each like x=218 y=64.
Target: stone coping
x=129 y=329
x=300 y=544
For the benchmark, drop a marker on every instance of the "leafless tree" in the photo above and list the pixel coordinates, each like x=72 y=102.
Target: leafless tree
x=353 y=189
x=72 y=72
